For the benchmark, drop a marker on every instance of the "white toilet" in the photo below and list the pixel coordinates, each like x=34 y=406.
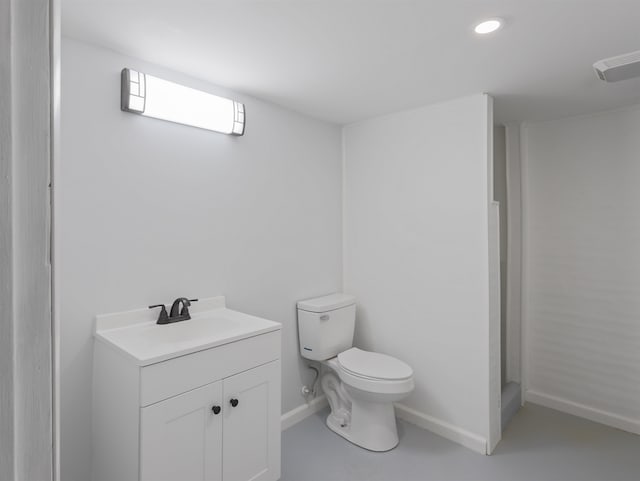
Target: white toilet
x=360 y=386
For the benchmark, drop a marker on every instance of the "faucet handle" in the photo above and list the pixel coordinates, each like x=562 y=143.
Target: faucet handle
x=163 y=317
x=185 y=306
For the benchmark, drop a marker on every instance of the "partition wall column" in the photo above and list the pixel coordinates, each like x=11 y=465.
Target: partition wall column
x=26 y=437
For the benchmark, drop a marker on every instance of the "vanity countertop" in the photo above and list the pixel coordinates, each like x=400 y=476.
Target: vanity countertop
x=136 y=334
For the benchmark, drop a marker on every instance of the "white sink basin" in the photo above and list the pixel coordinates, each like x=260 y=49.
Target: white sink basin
x=136 y=333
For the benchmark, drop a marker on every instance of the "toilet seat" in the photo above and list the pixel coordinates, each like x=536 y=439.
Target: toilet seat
x=373 y=365
x=374 y=372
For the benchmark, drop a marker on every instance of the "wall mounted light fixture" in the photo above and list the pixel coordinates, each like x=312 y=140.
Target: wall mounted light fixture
x=154 y=97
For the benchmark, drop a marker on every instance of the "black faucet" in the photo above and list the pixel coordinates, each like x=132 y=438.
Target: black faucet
x=176 y=314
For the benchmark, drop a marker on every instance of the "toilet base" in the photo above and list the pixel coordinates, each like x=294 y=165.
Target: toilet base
x=372 y=425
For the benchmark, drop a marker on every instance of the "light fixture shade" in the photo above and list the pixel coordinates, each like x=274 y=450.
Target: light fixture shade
x=154 y=97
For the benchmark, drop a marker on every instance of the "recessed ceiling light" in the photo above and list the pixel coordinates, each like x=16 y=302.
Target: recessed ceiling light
x=488 y=26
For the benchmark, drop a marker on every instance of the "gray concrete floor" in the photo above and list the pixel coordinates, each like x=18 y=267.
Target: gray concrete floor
x=538 y=445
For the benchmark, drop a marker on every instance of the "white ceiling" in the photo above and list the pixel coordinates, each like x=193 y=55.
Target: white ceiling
x=345 y=60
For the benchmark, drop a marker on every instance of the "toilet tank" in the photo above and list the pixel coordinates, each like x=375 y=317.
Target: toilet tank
x=326 y=325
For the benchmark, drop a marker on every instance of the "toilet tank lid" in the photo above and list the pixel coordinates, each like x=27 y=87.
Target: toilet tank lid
x=327 y=303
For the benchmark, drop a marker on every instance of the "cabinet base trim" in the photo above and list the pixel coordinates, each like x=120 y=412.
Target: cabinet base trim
x=296 y=415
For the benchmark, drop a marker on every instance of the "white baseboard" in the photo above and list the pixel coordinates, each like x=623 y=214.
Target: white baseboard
x=581 y=410
x=296 y=415
x=449 y=431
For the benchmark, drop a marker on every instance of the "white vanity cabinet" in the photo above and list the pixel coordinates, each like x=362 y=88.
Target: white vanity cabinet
x=191 y=401
x=180 y=438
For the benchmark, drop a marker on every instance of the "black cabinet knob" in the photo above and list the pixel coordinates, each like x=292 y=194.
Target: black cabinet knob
x=234 y=402
x=216 y=409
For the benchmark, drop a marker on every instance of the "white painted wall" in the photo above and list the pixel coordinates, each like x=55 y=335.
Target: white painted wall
x=513 y=304
x=507 y=186
x=417 y=255
x=153 y=210
x=500 y=196
x=582 y=266
x=500 y=186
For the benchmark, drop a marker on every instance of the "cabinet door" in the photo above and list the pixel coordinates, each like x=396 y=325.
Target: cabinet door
x=251 y=447
x=181 y=437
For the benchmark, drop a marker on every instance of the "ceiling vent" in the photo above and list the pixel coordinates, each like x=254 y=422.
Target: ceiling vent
x=622 y=67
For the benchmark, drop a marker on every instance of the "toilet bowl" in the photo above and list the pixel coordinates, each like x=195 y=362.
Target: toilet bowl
x=361 y=386
x=361 y=402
